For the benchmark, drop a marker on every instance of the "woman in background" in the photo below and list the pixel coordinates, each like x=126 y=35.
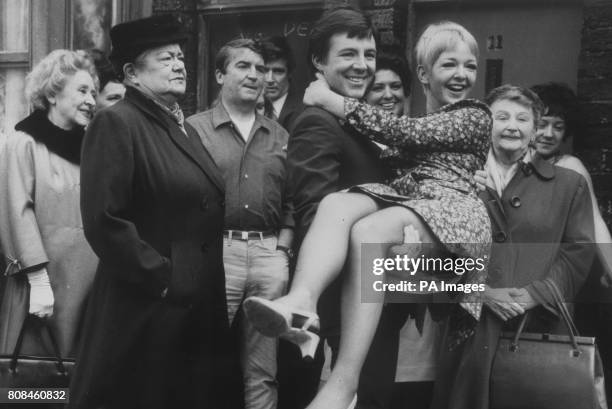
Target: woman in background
x=560 y=121
x=50 y=264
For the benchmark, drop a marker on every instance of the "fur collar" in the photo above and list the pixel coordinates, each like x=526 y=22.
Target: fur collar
x=66 y=144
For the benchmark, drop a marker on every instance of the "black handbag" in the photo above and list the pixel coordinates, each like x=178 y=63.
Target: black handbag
x=545 y=371
x=21 y=371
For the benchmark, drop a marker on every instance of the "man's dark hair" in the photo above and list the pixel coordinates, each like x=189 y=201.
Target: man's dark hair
x=223 y=56
x=106 y=71
x=339 y=20
x=559 y=100
x=398 y=64
x=277 y=48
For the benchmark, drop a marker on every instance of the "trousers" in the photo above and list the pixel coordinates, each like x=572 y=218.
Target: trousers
x=254 y=267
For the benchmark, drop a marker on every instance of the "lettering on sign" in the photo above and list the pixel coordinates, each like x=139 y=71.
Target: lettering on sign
x=383 y=3
x=294 y=28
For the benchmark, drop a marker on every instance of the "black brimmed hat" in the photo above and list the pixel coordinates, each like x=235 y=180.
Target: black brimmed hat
x=131 y=38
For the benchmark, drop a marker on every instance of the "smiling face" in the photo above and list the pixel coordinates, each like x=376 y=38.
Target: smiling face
x=74 y=105
x=513 y=129
x=387 y=92
x=161 y=73
x=243 y=79
x=550 y=134
x=450 y=78
x=349 y=65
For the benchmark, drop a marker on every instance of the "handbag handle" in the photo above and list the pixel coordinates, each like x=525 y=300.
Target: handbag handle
x=565 y=316
x=56 y=351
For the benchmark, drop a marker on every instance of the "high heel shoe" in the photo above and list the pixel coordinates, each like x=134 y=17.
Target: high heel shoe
x=274 y=319
x=306 y=340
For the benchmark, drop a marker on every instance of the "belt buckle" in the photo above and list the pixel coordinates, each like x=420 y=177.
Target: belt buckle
x=245 y=235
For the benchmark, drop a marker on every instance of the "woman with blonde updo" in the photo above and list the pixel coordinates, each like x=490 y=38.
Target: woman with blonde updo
x=50 y=266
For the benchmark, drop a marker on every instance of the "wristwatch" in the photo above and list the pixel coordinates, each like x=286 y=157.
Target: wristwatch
x=288 y=251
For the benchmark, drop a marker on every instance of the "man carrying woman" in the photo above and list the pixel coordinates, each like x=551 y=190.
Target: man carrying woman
x=435 y=203
x=325 y=156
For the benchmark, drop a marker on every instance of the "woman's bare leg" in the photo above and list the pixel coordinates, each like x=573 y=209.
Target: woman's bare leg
x=360 y=320
x=325 y=247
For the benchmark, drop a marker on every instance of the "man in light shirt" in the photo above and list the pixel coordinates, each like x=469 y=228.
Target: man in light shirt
x=251 y=151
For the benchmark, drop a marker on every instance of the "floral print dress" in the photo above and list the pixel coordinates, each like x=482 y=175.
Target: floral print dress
x=446 y=147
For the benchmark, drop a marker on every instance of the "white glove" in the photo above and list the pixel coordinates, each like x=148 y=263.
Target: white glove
x=41 y=295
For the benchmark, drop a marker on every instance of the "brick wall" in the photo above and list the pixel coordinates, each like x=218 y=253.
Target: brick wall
x=594 y=145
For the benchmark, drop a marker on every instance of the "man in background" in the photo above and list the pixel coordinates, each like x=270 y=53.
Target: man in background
x=280 y=64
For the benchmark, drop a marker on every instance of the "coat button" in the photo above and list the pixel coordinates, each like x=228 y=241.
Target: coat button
x=204 y=204
x=500 y=236
x=515 y=201
x=204 y=247
x=222 y=203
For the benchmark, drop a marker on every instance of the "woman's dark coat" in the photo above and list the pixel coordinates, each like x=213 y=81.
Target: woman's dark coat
x=542 y=229
x=152 y=204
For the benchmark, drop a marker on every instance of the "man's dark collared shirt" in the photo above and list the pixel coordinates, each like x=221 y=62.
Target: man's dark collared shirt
x=255 y=172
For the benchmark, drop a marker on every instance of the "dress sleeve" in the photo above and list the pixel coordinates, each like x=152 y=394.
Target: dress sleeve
x=107 y=189
x=20 y=236
x=576 y=252
x=461 y=127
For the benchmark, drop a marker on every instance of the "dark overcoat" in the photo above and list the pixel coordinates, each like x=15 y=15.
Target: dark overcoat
x=153 y=203
x=292 y=107
x=325 y=157
x=542 y=229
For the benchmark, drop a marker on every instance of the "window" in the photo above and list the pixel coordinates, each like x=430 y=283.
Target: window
x=91 y=23
x=14 y=61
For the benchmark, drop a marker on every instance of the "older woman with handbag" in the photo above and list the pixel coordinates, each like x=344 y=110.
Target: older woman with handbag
x=156 y=332
x=542 y=231
x=50 y=266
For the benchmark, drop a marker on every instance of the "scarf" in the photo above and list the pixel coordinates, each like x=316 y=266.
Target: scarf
x=499 y=176
x=175 y=112
x=66 y=144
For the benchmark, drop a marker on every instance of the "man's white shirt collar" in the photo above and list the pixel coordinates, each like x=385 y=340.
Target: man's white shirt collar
x=278 y=104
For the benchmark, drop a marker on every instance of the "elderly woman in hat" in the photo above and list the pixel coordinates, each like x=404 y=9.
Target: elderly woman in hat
x=156 y=331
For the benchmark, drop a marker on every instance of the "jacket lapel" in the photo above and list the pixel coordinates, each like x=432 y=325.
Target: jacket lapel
x=360 y=138
x=291 y=104
x=188 y=145
x=207 y=162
